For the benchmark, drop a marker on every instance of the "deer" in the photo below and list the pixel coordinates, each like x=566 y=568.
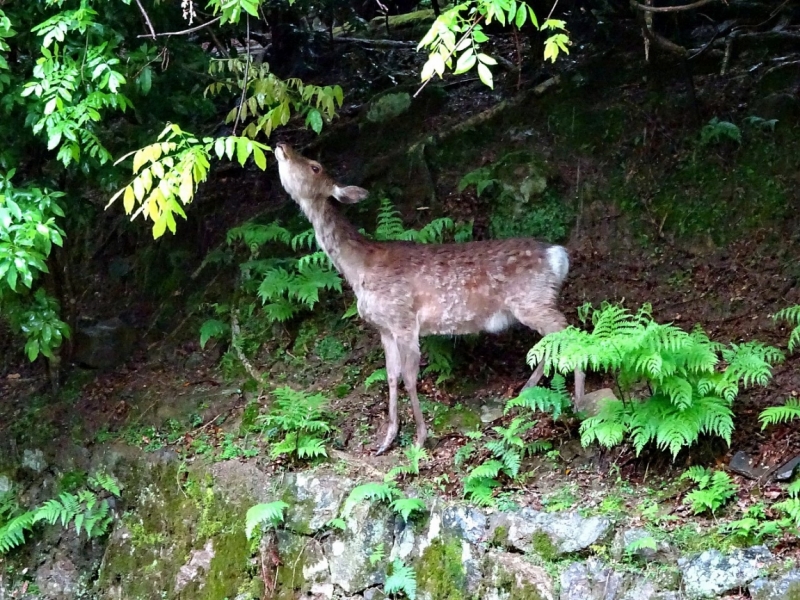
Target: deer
x=407 y=290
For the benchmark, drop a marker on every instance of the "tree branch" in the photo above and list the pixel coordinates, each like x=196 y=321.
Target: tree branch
x=669 y=9
x=184 y=32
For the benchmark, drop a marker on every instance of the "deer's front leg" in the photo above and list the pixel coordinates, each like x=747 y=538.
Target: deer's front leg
x=393 y=369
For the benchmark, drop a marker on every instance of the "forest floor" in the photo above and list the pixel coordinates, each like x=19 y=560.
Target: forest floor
x=613 y=165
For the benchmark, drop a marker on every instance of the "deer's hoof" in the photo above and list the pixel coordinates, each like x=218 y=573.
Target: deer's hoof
x=391 y=434
x=420 y=438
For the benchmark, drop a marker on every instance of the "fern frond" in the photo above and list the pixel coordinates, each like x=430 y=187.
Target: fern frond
x=105 y=482
x=405 y=506
x=780 y=414
x=480 y=490
x=270 y=513
x=254 y=235
x=304 y=241
x=403 y=579
x=489 y=469
x=792 y=315
x=12 y=534
x=382 y=492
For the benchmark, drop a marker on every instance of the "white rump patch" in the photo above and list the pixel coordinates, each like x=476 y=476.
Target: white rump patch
x=558 y=261
x=498 y=322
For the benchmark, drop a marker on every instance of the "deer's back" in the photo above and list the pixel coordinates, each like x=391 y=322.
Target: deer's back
x=457 y=288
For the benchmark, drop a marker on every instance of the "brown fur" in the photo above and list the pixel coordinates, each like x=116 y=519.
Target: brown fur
x=408 y=290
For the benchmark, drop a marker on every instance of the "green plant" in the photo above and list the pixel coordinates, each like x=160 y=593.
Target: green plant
x=269 y=514
x=780 y=414
x=403 y=578
x=646 y=542
x=689 y=394
x=84 y=509
x=507 y=452
x=377 y=554
x=299 y=420
x=753 y=526
x=714 y=489
x=554 y=400
x=791 y=506
x=715 y=130
x=792 y=315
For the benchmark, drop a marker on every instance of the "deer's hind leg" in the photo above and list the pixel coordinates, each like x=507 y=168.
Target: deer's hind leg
x=544 y=321
x=394 y=366
x=410 y=355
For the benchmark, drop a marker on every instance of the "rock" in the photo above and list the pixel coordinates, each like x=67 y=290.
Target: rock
x=196 y=568
x=508 y=573
x=104 y=345
x=317 y=500
x=713 y=573
x=550 y=534
x=590 y=580
x=646 y=546
x=786 y=471
x=58 y=579
x=591 y=402
x=742 y=463
x=785 y=587
x=304 y=567
x=465 y=522
x=388 y=106
x=368 y=527
x=5 y=485
x=34 y=460
x=783 y=107
x=491 y=411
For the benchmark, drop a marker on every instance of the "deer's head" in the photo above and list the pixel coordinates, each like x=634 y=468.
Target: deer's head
x=306 y=180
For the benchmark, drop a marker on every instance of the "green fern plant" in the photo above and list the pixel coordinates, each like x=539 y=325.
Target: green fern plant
x=85 y=510
x=714 y=489
x=507 y=451
x=269 y=514
x=791 y=506
x=299 y=422
x=691 y=392
x=775 y=415
x=754 y=526
x=554 y=400
x=792 y=315
x=403 y=579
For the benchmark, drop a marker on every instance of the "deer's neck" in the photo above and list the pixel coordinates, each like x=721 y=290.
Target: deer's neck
x=337 y=237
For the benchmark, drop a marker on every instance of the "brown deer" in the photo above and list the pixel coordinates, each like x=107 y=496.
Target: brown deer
x=407 y=290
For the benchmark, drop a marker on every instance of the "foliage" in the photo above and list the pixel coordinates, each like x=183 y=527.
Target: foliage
x=780 y=414
x=388 y=491
x=28 y=231
x=689 y=395
x=753 y=526
x=554 y=400
x=172 y=168
x=299 y=420
x=402 y=579
x=507 y=452
x=714 y=489
x=792 y=315
x=791 y=506
x=269 y=101
x=459 y=32
x=84 y=509
x=715 y=131
x=388 y=106
x=270 y=514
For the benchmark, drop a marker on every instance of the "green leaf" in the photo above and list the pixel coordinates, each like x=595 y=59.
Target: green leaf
x=465 y=62
x=270 y=513
x=485 y=75
x=314 y=120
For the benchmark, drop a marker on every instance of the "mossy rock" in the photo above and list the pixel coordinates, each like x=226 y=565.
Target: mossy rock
x=458 y=419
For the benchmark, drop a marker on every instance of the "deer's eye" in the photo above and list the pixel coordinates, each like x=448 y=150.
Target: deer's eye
x=315 y=169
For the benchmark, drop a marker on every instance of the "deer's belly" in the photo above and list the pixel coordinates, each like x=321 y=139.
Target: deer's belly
x=451 y=321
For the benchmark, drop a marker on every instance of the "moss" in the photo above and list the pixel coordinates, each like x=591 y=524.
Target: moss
x=500 y=537
x=793 y=591
x=457 y=419
x=249 y=416
x=543 y=546
x=168 y=522
x=511 y=589
x=440 y=572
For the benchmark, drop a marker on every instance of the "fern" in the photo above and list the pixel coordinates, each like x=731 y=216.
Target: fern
x=792 y=315
x=780 y=414
x=647 y=542
x=377 y=555
x=439 y=351
x=382 y=492
x=300 y=421
x=713 y=491
x=554 y=400
x=12 y=534
x=375 y=377
x=270 y=514
x=480 y=490
x=406 y=506
x=691 y=391
x=414 y=455
x=402 y=579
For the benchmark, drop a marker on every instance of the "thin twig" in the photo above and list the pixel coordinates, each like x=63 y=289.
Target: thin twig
x=146 y=19
x=668 y=9
x=184 y=32
x=244 y=81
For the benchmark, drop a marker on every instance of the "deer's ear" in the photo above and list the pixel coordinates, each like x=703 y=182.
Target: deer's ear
x=350 y=194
